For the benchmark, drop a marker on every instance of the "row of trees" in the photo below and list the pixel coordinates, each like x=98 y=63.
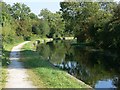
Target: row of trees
x=94 y=22
x=18 y=21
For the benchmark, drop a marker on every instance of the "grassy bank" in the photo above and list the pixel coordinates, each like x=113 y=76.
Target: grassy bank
x=44 y=74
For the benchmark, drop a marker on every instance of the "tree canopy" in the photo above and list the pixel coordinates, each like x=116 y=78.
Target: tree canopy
x=92 y=22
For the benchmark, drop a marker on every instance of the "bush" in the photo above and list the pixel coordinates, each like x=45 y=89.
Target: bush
x=5 y=60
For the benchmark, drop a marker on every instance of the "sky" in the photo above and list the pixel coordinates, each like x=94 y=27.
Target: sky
x=37 y=5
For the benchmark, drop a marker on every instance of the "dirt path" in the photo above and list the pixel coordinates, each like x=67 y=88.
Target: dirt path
x=17 y=77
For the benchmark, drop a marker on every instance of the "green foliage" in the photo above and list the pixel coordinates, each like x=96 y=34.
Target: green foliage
x=53 y=22
x=8 y=31
x=112 y=30
x=17 y=21
x=20 y=11
x=21 y=14
x=92 y=22
x=44 y=28
x=87 y=21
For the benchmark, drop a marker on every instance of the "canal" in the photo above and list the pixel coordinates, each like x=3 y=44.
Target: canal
x=98 y=68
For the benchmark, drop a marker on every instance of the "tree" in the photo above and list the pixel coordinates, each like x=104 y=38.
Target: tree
x=86 y=19
x=23 y=18
x=20 y=11
x=44 y=28
x=54 y=21
x=112 y=31
x=7 y=24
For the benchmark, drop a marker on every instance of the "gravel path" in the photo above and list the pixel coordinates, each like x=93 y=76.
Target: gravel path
x=17 y=76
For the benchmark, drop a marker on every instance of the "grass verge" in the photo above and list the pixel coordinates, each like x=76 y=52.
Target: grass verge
x=44 y=74
x=2 y=77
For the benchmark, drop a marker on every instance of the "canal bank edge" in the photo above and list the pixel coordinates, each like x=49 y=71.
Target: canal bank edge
x=88 y=86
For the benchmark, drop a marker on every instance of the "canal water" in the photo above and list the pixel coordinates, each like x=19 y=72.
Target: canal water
x=97 y=68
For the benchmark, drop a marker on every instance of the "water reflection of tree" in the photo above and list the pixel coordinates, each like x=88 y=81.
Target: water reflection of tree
x=44 y=51
x=98 y=64
x=116 y=58
x=53 y=51
x=92 y=65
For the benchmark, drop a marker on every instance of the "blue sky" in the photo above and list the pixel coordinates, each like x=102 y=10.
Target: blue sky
x=37 y=5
